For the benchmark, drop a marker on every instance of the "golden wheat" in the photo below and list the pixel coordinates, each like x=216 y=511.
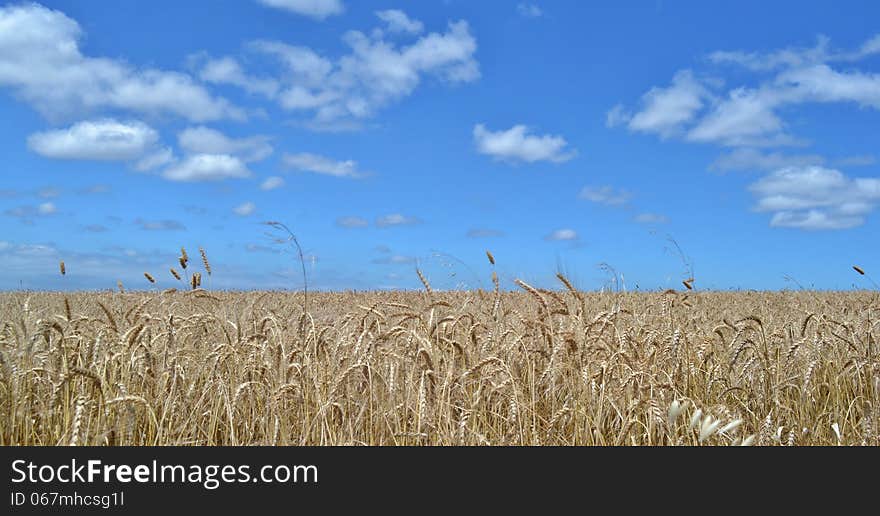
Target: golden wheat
x=452 y=368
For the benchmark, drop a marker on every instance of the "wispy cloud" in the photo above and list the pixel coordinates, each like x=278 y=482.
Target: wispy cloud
x=95 y=228
x=749 y=159
x=352 y=222
x=271 y=183
x=227 y=70
x=28 y=213
x=651 y=218
x=484 y=233
x=160 y=225
x=607 y=195
x=317 y=164
x=396 y=219
x=245 y=209
x=204 y=140
x=49 y=192
x=317 y=9
x=517 y=145
x=395 y=259
x=397 y=21
x=562 y=235
x=528 y=10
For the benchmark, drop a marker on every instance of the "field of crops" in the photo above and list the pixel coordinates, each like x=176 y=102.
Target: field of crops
x=526 y=367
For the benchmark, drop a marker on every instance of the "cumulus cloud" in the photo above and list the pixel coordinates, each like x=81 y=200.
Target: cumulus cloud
x=397 y=21
x=41 y=62
x=607 y=195
x=308 y=162
x=651 y=218
x=562 y=235
x=750 y=116
x=396 y=219
x=352 y=222
x=745 y=117
x=317 y=9
x=104 y=140
x=271 y=183
x=516 y=145
x=245 y=209
x=815 y=197
x=159 y=225
x=207 y=167
x=204 y=140
x=341 y=93
x=665 y=110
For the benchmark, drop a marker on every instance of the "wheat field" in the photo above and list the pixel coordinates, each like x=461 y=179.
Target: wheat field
x=523 y=367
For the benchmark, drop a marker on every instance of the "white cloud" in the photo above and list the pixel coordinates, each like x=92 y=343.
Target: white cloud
x=322 y=165
x=207 y=167
x=618 y=115
x=744 y=118
x=245 y=209
x=397 y=21
x=226 y=70
x=665 y=110
x=750 y=159
x=46 y=208
x=529 y=10
x=159 y=158
x=815 y=197
x=651 y=218
x=604 y=195
x=352 y=222
x=271 y=183
x=375 y=73
x=515 y=144
x=562 y=234
x=395 y=219
x=40 y=60
x=784 y=58
x=820 y=83
x=750 y=116
x=105 y=140
x=317 y=9
x=204 y=140
x=795 y=57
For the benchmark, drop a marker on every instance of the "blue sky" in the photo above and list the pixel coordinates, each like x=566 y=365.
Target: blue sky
x=390 y=135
